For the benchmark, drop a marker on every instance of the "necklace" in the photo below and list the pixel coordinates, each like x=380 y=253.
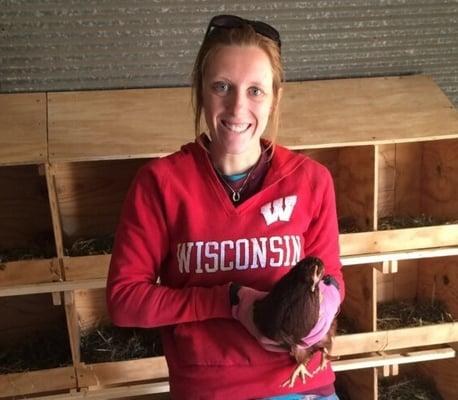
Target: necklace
x=236 y=193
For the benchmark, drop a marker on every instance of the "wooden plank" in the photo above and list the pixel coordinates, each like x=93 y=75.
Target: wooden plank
x=22 y=317
x=90 y=196
x=28 y=272
x=439 y=178
x=395 y=339
x=359 y=304
x=357 y=384
x=91 y=308
x=399 y=286
x=122 y=372
x=93 y=125
x=335 y=113
x=399 y=255
x=118 y=123
x=37 y=288
x=88 y=267
x=408 y=179
x=444 y=374
x=398 y=239
x=25 y=219
x=390 y=359
x=34 y=382
x=72 y=326
x=355 y=185
x=23 y=128
x=438 y=280
x=386 y=168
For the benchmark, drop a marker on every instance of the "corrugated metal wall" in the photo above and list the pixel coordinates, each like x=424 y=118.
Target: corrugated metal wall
x=51 y=45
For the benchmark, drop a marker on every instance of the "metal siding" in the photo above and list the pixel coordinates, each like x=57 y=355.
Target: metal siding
x=81 y=44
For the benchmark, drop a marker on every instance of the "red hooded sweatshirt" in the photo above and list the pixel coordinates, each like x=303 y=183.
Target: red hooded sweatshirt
x=179 y=225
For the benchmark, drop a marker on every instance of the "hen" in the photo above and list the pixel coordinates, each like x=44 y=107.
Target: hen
x=298 y=315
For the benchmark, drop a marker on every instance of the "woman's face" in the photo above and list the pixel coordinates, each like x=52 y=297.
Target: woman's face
x=237 y=99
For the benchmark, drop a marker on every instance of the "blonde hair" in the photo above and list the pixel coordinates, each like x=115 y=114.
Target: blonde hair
x=240 y=36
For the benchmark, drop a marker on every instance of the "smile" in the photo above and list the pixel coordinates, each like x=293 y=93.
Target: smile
x=238 y=128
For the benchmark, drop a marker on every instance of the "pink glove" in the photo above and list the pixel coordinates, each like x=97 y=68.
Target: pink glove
x=243 y=311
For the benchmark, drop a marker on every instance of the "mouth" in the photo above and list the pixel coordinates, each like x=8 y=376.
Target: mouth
x=237 y=128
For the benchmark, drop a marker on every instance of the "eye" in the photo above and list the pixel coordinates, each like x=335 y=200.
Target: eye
x=255 y=91
x=221 y=87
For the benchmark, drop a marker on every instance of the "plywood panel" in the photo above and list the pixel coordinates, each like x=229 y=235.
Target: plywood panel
x=358 y=384
x=408 y=179
x=118 y=123
x=151 y=122
x=23 y=128
x=439 y=179
x=355 y=186
x=438 y=279
x=25 y=219
x=351 y=111
x=91 y=308
x=398 y=286
x=444 y=374
x=21 y=384
x=386 y=179
x=359 y=303
x=28 y=272
x=398 y=239
x=90 y=196
x=22 y=316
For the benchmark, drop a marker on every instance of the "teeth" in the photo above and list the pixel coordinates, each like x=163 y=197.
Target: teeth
x=236 y=127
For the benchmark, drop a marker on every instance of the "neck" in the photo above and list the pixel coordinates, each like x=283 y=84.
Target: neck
x=231 y=164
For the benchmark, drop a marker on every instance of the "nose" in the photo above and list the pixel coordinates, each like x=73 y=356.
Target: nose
x=236 y=101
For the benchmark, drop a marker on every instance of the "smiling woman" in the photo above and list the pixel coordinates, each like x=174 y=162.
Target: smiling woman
x=229 y=211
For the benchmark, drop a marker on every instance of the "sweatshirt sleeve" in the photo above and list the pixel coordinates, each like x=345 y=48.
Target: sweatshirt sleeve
x=322 y=237
x=134 y=298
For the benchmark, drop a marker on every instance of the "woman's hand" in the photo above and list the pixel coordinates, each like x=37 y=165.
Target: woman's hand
x=243 y=311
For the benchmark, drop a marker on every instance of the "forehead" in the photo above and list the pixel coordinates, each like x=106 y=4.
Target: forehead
x=240 y=63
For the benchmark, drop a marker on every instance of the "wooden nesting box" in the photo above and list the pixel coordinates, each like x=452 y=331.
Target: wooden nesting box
x=390 y=144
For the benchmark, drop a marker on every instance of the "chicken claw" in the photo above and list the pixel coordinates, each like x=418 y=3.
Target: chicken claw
x=302 y=371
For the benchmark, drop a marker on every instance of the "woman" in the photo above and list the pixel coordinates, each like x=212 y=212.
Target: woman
x=229 y=207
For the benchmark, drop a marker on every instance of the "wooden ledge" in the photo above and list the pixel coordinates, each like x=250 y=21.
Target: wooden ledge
x=393 y=359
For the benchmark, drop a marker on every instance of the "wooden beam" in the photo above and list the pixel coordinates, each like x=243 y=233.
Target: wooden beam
x=395 y=339
x=398 y=240
x=390 y=359
x=26 y=383
x=23 y=128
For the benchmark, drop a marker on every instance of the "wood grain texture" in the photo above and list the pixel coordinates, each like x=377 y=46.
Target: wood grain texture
x=28 y=272
x=398 y=286
x=90 y=196
x=386 y=179
x=333 y=113
x=25 y=218
x=23 y=128
x=35 y=382
x=89 y=267
x=359 y=384
x=91 y=309
x=439 y=178
x=398 y=239
x=359 y=303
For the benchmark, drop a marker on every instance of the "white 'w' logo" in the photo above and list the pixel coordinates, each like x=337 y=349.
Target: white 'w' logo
x=279 y=210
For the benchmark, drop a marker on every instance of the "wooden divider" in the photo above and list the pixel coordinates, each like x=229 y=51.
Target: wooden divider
x=23 y=135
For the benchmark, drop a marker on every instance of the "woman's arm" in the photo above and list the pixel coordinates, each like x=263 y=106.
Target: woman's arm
x=134 y=298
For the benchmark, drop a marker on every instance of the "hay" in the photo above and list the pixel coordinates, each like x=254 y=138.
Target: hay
x=407 y=388
x=26 y=253
x=401 y=222
x=46 y=349
x=110 y=343
x=346 y=325
x=91 y=246
x=348 y=225
x=402 y=314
